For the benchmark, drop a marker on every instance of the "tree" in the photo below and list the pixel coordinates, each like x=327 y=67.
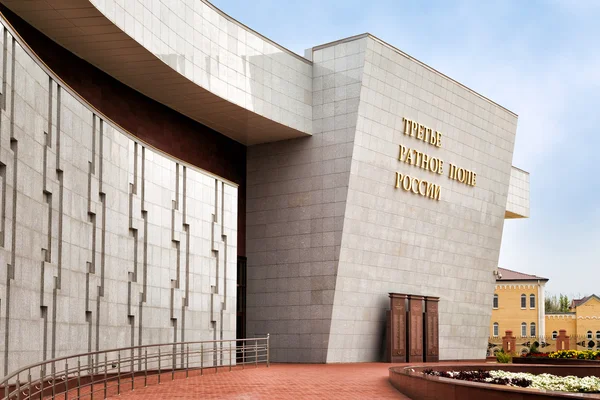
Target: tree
x=564 y=303
x=554 y=304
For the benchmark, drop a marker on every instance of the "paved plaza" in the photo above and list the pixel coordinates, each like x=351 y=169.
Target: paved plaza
x=279 y=381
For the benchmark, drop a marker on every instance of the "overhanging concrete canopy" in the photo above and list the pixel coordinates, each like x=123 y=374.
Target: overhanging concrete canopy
x=226 y=77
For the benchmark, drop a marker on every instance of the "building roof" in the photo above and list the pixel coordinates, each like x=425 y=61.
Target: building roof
x=578 y=302
x=510 y=275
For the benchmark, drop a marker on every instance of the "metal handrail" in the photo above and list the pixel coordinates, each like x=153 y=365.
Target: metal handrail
x=107 y=372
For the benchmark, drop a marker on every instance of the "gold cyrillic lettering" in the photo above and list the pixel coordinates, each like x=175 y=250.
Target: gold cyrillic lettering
x=440 y=169
x=438 y=140
x=461 y=175
x=420 y=132
x=412 y=185
x=413 y=128
x=430 y=190
x=468 y=178
x=398 y=179
x=402 y=152
x=424 y=191
x=473 y=181
x=433 y=164
x=438 y=189
x=406 y=124
x=406 y=183
x=425 y=161
x=409 y=158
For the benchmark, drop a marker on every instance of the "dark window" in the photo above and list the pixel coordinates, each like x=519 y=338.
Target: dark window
x=495 y=301
x=523 y=301
x=554 y=335
x=532 y=329
x=496 y=329
x=523 y=329
x=532 y=301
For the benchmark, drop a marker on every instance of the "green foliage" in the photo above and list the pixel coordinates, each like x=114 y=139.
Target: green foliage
x=533 y=349
x=503 y=358
x=558 y=303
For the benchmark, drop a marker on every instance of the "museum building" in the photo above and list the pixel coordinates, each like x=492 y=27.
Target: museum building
x=168 y=174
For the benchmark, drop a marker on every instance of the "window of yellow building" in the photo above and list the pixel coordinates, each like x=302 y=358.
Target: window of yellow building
x=523 y=301
x=496 y=329
x=532 y=301
x=496 y=301
x=554 y=335
x=532 y=330
x=523 y=329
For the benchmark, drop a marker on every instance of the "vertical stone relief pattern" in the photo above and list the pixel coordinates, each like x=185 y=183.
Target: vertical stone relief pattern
x=104 y=242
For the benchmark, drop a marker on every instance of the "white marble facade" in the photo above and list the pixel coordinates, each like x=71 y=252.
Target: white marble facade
x=329 y=236
x=98 y=230
x=517 y=203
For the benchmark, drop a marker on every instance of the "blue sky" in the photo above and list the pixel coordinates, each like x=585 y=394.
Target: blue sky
x=540 y=59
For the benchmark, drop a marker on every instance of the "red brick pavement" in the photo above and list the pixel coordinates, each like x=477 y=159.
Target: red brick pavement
x=279 y=381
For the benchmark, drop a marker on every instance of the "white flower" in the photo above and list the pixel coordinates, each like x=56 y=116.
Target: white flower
x=553 y=382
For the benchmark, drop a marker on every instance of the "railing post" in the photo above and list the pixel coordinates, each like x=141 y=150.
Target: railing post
x=18 y=388
x=255 y=353
x=243 y=354
x=187 y=361
x=173 y=362
x=91 y=378
x=105 y=375
x=159 y=365
x=66 y=379
x=118 y=372
x=53 y=380
x=78 y=378
x=268 y=350
x=229 y=356
x=132 y=371
x=201 y=359
x=29 y=383
x=146 y=367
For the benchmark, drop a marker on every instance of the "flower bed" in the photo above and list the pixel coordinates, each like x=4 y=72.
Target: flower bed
x=567 y=354
x=588 y=384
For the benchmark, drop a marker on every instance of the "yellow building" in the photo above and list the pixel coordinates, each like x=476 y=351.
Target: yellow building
x=518 y=306
x=581 y=323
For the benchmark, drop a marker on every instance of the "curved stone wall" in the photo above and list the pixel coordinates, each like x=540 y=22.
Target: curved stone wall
x=104 y=241
x=221 y=55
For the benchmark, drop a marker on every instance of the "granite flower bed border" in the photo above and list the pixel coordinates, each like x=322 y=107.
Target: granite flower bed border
x=569 y=384
x=411 y=381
